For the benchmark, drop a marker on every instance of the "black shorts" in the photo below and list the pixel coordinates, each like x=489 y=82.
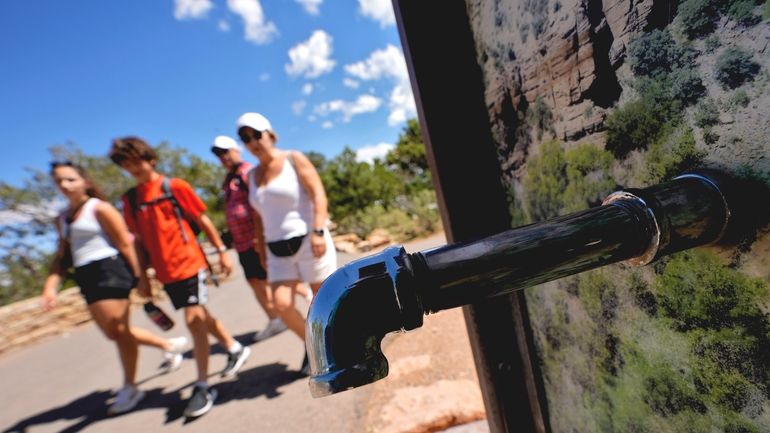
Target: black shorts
x=252 y=268
x=109 y=278
x=190 y=291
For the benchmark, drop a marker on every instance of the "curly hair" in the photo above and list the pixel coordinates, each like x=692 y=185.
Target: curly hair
x=131 y=149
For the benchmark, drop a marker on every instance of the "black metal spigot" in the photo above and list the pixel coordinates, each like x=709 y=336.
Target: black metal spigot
x=366 y=299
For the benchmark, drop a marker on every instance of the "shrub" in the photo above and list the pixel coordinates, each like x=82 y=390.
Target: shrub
x=655 y=53
x=410 y=217
x=698 y=17
x=686 y=85
x=734 y=67
x=712 y=43
x=725 y=386
x=545 y=182
x=657 y=93
x=709 y=136
x=668 y=393
x=743 y=12
x=707 y=113
x=588 y=177
x=633 y=126
x=737 y=424
x=739 y=99
x=539 y=114
x=670 y=157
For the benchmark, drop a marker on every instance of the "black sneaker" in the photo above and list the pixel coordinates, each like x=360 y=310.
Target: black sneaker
x=305 y=370
x=235 y=361
x=201 y=401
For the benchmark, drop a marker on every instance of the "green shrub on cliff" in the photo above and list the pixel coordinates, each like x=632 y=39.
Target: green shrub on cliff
x=698 y=17
x=559 y=182
x=734 y=67
x=631 y=127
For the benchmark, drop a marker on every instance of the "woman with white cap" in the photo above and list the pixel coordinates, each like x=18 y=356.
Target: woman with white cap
x=289 y=197
x=240 y=222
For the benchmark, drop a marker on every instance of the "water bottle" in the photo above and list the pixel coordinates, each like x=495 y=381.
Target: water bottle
x=158 y=316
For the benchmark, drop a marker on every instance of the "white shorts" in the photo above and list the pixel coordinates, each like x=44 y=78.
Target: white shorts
x=303 y=266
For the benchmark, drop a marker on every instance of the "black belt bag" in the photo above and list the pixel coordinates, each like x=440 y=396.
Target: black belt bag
x=287 y=247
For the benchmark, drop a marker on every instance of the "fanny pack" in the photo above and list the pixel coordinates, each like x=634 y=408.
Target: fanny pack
x=286 y=247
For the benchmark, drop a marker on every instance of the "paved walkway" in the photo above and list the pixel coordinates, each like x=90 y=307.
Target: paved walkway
x=62 y=384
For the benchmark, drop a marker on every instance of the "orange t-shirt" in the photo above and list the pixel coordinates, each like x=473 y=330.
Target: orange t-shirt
x=158 y=228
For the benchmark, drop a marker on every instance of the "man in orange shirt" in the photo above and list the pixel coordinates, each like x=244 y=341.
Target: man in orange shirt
x=159 y=211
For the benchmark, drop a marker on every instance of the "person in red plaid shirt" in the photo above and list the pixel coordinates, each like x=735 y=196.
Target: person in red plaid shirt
x=240 y=222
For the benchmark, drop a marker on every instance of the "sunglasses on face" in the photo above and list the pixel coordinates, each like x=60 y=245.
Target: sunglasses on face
x=218 y=152
x=66 y=163
x=246 y=137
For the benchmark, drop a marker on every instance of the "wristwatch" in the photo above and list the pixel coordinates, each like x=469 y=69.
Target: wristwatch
x=319 y=232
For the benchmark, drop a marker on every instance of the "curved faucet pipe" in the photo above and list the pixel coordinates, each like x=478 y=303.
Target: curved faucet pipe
x=366 y=299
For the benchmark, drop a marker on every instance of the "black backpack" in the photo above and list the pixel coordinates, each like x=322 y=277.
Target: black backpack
x=167 y=194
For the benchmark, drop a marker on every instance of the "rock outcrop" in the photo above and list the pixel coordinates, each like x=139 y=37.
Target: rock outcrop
x=560 y=55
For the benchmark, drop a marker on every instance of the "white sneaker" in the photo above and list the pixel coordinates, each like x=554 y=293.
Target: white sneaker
x=274 y=327
x=126 y=399
x=173 y=357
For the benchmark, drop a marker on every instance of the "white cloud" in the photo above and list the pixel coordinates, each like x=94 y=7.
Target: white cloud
x=311 y=118
x=191 y=9
x=255 y=28
x=264 y=76
x=348 y=109
x=349 y=82
x=223 y=26
x=298 y=107
x=311 y=58
x=327 y=125
x=389 y=64
x=377 y=151
x=307 y=89
x=378 y=10
x=311 y=6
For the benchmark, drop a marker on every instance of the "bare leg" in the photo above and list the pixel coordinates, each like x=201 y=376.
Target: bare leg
x=146 y=338
x=215 y=327
x=283 y=298
x=111 y=315
x=262 y=293
x=304 y=291
x=195 y=318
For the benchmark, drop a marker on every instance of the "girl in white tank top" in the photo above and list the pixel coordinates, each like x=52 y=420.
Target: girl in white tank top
x=95 y=239
x=88 y=241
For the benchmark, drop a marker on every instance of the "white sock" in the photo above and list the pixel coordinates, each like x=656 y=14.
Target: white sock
x=235 y=348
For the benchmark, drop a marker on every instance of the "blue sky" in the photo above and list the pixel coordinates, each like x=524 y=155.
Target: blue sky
x=327 y=74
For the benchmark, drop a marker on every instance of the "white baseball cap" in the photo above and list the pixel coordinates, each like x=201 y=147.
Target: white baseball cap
x=224 y=142
x=254 y=120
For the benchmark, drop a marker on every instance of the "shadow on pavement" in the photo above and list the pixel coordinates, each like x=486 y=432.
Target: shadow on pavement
x=264 y=380
x=92 y=408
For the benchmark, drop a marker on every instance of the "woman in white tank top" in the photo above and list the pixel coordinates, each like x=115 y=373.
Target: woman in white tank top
x=286 y=191
x=95 y=240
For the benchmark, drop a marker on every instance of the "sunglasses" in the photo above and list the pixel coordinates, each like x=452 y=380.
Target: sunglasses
x=246 y=137
x=218 y=152
x=66 y=163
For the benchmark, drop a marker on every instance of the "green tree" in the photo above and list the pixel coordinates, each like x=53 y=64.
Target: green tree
x=352 y=185
x=410 y=159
